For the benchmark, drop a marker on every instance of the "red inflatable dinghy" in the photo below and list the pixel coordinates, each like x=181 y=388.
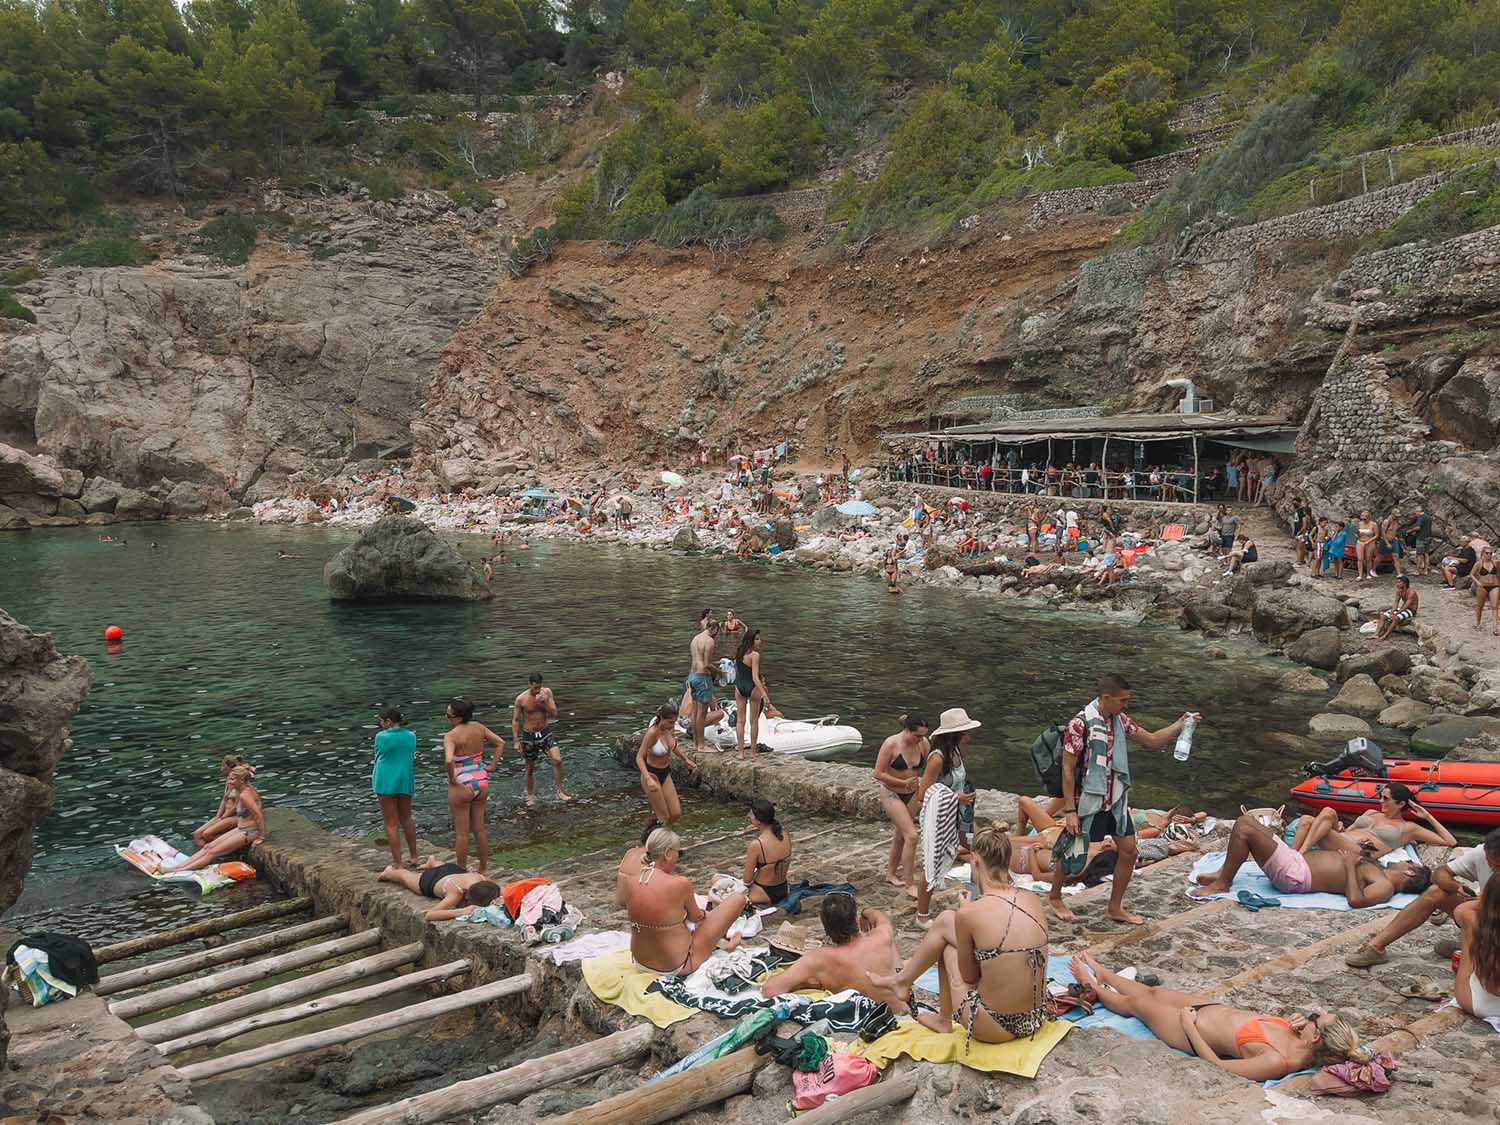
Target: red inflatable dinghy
x=1456 y=793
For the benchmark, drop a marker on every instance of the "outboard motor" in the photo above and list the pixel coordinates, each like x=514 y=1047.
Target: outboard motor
x=1360 y=757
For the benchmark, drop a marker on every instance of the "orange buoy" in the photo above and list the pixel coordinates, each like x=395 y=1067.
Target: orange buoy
x=114 y=633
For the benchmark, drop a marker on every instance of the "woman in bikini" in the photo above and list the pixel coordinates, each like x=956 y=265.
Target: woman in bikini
x=1366 y=546
x=991 y=953
x=223 y=819
x=896 y=771
x=468 y=780
x=654 y=761
x=1377 y=832
x=1240 y=1041
x=670 y=934
x=249 y=824
x=768 y=857
x=1485 y=575
x=1476 y=983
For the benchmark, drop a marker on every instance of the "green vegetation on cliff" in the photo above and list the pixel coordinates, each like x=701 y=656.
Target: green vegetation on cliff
x=966 y=101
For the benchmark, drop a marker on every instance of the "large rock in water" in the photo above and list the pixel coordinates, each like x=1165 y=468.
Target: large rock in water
x=1319 y=648
x=40 y=692
x=402 y=558
x=1359 y=696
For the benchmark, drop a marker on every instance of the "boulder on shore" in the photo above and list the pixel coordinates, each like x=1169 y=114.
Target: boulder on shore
x=1381 y=662
x=1404 y=714
x=1318 y=648
x=1444 y=736
x=1359 y=696
x=686 y=539
x=1299 y=681
x=40 y=692
x=1286 y=612
x=398 y=558
x=1338 y=728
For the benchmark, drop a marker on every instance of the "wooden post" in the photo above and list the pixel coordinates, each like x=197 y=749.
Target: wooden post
x=1195 y=468
x=1104 y=467
x=670 y=1098
x=349 y=1032
x=235 y=951
x=847 y=1107
x=267 y=998
x=511 y=1083
x=195 y=930
x=176 y=994
x=278 y=1016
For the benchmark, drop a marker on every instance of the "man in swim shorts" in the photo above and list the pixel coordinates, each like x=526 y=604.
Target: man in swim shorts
x=530 y=723
x=457 y=890
x=700 y=682
x=1364 y=882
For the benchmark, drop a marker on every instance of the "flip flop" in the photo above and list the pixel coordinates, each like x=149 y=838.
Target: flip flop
x=1253 y=902
x=1423 y=988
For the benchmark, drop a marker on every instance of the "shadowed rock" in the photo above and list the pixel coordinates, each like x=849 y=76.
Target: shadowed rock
x=402 y=558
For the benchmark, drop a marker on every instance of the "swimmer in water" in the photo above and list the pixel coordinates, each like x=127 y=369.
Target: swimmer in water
x=153 y=545
x=468 y=781
x=489 y=571
x=281 y=554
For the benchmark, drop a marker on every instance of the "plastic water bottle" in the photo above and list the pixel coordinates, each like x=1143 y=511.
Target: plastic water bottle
x=1185 y=739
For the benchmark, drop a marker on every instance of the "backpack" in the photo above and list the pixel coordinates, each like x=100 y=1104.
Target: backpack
x=1047 y=757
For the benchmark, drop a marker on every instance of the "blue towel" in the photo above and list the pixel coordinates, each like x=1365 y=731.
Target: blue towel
x=1251 y=878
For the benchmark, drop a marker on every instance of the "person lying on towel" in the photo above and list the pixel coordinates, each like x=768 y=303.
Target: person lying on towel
x=1360 y=879
x=864 y=943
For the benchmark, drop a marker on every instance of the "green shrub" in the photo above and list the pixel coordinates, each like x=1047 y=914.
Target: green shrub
x=717 y=224
x=31 y=191
x=12 y=309
x=19 y=276
x=1468 y=202
x=229 y=239
x=1017 y=183
x=527 y=251
x=466 y=193
x=381 y=183
x=106 y=251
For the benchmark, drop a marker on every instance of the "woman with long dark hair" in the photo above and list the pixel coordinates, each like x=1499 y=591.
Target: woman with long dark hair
x=750 y=692
x=1377 y=832
x=941 y=801
x=768 y=857
x=1476 y=986
x=468 y=780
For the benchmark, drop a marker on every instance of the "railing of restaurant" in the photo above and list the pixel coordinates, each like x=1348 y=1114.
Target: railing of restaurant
x=1171 y=485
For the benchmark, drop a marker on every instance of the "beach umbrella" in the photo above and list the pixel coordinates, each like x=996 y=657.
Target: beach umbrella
x=672 y=480
x=856 y=508
x=537 y=493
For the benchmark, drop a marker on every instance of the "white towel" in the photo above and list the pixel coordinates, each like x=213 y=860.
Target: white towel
x=938 y=842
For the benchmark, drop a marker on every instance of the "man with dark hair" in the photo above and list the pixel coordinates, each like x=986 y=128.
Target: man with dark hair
x=863 y=951
x=700 y=682
x=1403 y=609
x=1363 y=881
x=530 y=723
x=1446 y=894
x=1096 y=792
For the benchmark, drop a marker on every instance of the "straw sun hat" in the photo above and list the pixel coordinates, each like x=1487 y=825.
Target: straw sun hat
x=955 y=719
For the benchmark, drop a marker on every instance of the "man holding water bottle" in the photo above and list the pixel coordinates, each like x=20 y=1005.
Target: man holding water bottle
x=1096 y=790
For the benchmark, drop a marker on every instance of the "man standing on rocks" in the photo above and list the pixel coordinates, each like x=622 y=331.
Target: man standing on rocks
x=1096 y=792
x=700 y=682
x=530 y=723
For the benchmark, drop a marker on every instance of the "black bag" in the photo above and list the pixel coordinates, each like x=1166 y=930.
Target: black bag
x=68 y=958
x=1047 y=757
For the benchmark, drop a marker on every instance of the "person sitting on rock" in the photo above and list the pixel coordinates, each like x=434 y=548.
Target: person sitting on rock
x=1377 y=832
x=1476 y=983
x=670 y=934
x=1457 y=565
x=1363 y=881
x=1403 y=609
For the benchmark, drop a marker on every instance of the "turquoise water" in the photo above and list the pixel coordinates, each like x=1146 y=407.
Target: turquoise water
x=228 y=649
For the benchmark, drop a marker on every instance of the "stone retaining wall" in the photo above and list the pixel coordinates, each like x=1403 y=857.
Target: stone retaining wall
x=1417 y=264
x=1053 y=205
x=1355 y=418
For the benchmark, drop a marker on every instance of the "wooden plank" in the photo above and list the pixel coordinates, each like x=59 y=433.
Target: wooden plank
x=234 y=951
x=175 y=994
x=846 y=1107
x=267 y=998
x=702 y=1086
x=512 y=1083
x=1299 y=956
x=349 y=1032
x=277 y=1016
x=195 y=930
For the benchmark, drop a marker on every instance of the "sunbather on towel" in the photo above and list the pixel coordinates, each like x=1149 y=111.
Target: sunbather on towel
x=864 y=942
x=1363 y=881
x=1242 y=1042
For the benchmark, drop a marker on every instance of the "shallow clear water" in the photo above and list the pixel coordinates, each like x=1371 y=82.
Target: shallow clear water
x=228 y=649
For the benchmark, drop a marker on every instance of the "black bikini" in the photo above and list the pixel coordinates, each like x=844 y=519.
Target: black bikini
x=775 y=892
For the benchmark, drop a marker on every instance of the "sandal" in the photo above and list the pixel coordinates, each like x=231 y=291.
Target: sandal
x=1423 y=988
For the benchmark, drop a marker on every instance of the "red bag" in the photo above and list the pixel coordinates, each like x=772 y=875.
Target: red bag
x=836 y=1074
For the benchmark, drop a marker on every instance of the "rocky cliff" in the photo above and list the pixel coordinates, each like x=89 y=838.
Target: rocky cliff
x=40 y=692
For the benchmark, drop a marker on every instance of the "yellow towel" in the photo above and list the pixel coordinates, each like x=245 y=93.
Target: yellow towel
x=1021 y=1056
x=615 y=980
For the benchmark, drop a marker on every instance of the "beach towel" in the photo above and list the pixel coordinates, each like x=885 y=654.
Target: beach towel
x=938 y=825
x=149 y=854
x=1251 y=878
x=614 y=979
x=1021 y=1056
x=589 y=945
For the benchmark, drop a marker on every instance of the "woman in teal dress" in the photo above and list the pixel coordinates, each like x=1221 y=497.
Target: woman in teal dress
x=394 y=783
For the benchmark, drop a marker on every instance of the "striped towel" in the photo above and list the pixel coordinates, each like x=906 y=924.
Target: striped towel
x=938 y=842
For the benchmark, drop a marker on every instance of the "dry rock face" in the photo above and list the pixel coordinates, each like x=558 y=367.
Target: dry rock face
x=225 y=376
x=40 y=692
x=402 y=558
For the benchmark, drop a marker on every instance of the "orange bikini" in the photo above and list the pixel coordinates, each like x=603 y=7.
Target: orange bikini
x=1253 y=1031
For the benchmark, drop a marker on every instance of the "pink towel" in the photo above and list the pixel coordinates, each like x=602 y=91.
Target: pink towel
x=1347 y=1079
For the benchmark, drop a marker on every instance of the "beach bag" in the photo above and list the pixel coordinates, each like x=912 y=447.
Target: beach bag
x=1047 y=757
x=1274 y=819
x=836 y=1074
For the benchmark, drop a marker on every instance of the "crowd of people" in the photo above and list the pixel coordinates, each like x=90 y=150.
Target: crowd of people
x=1244 y=477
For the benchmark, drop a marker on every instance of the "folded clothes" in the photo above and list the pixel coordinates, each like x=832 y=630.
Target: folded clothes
x=1251 y=878
x=589 y=945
